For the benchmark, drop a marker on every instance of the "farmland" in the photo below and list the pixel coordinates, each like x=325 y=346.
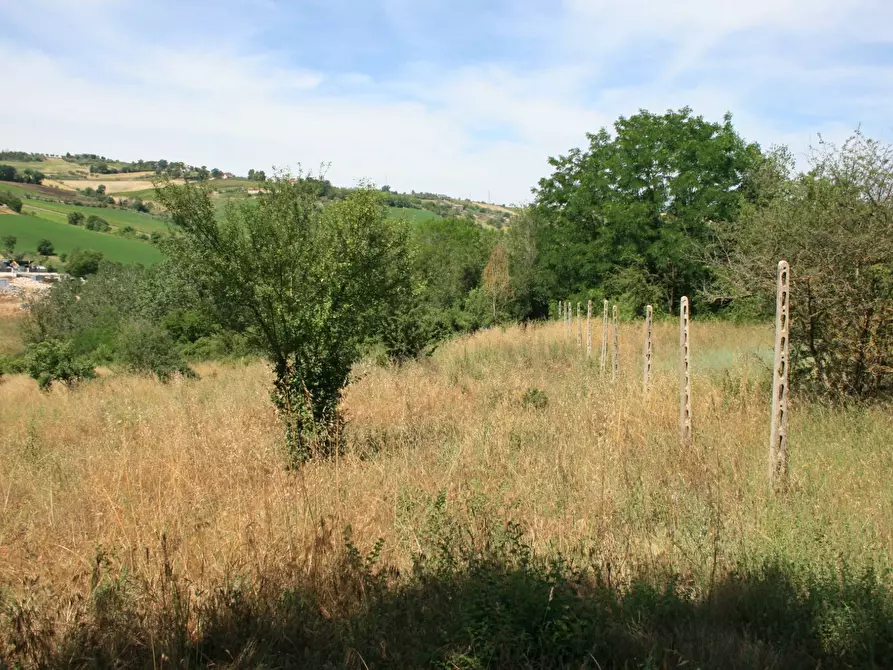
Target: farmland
x=30 y=229
x=171 y=492
x=57 y=211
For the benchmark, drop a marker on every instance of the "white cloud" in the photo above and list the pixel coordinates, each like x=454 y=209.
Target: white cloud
x=461 y=129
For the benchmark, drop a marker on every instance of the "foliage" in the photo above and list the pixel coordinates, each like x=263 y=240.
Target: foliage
x=75 y=218
x=83 y=262
x=536 y=398
x=45 y=247
x=54 y=360
x=496 y=282
x=310 y=284
x=145 y=348
x=97 y=223
x=11 y=201
x=28 y=175
x=631 y=214
x=834 y=225
x=9 y=244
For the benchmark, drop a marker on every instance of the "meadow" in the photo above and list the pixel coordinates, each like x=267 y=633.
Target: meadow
x=29 y=230
x=58 y=211
x=500 y=504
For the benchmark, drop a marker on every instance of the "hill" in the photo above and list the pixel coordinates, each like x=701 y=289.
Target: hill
x=28 y=230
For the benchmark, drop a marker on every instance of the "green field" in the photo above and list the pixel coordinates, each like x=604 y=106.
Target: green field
x=57 y=211
x=52 y=167
x=30 y=229
x=410 y=214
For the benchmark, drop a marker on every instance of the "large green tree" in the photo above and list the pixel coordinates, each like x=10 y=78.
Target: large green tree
x=310 y=283
x=631 y=215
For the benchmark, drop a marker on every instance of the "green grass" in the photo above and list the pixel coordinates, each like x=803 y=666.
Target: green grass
x=30 y=229
x=57 y=211
x=411 y=214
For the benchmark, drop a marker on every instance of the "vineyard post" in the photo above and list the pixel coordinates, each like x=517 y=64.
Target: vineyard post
x=778 y=438
x=684 y=373
x=604 y=336
x=646 y=368
x=615 y=370
x=589 y=329
x=579 y=326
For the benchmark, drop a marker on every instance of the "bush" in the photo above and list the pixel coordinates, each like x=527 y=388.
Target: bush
x=75 y=218
x=97 y=223
x=11 y=201
x=53 y=361
x=833 y=226
x=83 y=262
x=146 y=348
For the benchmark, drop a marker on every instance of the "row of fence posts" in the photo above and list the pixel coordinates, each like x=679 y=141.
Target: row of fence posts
x=778 y=439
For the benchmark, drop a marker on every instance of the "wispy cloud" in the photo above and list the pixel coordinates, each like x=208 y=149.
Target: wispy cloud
x=461 y=97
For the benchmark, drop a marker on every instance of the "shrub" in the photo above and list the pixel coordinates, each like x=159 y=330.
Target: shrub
x=53 y=361
x=11 y=201
x=536 y=398
x=833 y=225
x=97 y=223
x=75 y=218
x=145 y=348
x=83 y=262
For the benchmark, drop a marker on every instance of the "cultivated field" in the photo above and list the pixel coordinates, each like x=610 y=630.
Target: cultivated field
x=58 y=211
x=29 y=230
x=159 y=523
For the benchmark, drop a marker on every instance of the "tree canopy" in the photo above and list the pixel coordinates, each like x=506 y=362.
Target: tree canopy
x=632 y=214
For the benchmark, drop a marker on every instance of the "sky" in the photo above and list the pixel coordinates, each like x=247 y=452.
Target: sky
x=463 y=97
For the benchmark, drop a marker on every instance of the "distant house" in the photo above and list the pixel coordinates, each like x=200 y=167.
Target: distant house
x=228 y=175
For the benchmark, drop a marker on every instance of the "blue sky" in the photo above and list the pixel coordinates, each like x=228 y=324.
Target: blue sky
x=461 y=97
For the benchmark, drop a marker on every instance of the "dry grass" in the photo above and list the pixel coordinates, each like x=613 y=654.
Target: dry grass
x=110 y=468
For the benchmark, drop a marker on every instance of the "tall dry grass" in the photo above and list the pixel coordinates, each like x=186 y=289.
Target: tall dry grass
x=93 y=479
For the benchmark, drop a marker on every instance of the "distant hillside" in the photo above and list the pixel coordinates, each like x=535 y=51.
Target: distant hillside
x=74 y=179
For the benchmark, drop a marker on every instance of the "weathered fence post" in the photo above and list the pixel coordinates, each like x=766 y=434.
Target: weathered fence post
x=778 y=438
x=646 y=367
x=560 y=313
x=615 y=370
x=684 y=374
x=569 y=311
x=589 y=329
x=604 y=336
x=579 y=326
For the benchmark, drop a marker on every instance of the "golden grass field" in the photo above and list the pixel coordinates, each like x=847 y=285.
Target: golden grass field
x=95 y=477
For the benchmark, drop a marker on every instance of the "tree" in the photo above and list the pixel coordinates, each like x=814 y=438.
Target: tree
x=632 y=213
x=97 y=223
x=9 y=173
x=53 y=360
x=11 y=201
x=45 y=248
x=83 y=262
x=251 y=174
x=75 y=218
x=9 y=244
x=834 y=225
x=216 y=173
x=308 y=283
x=100 y=190
x=496 y=281
x=260 y=175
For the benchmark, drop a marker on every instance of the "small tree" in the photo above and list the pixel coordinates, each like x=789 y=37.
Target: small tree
x=52 y=361
x=97 y=223
x=496 y=281
x=45 y=248
x=83 y=262
x=9 y=244
x=75 y=218
x=834 y=226
x=11 y=201
x=309 y=283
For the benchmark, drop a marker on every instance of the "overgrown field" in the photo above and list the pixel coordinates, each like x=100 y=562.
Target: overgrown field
x=29 y=230
x=501 y=504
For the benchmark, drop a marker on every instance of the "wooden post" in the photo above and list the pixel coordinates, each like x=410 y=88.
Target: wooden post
x=615 y=370
x=568 y=314
x=579 y=326
x=589 y=329
x=604 y=336
x=684 y=374
x=646 y=366
x=778 y=438
x=559 y=310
